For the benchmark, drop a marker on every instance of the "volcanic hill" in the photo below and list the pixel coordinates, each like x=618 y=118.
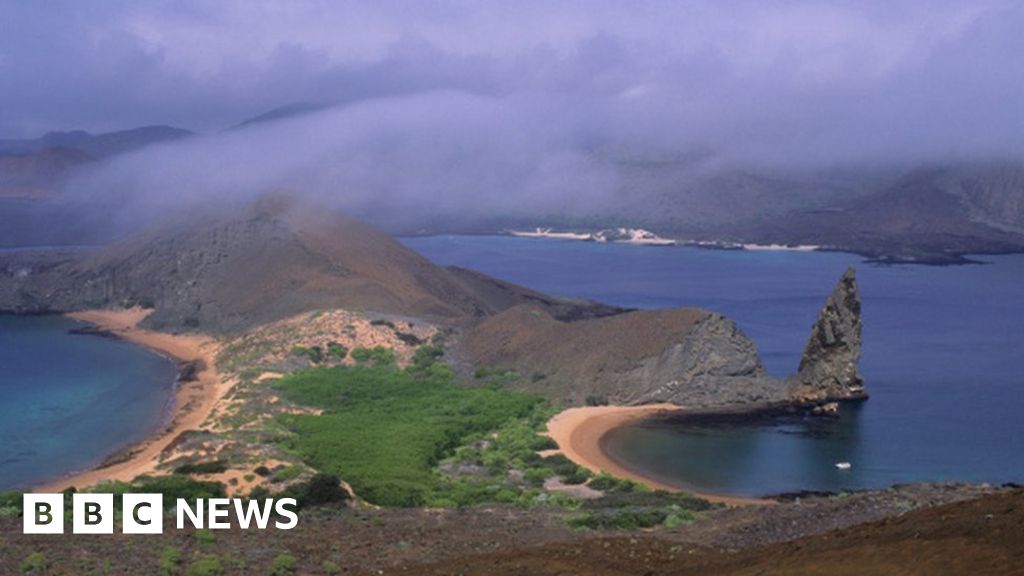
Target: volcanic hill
x=228 y=273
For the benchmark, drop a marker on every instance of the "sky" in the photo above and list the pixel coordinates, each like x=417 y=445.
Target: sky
x=456 y=96
x=908 y=72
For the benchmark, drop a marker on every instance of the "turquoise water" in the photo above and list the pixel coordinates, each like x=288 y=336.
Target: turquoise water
x=70 y=400
x=942 y=359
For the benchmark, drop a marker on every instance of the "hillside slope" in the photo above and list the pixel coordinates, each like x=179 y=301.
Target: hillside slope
x=982 y=536
x=227 y=273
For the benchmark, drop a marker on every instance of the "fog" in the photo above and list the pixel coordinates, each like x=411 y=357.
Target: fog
x=485 y=107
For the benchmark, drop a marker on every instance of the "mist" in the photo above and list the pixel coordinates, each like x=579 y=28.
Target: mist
x=458 y=108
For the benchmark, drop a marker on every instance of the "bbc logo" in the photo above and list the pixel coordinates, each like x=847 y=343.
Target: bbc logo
x=93 y=514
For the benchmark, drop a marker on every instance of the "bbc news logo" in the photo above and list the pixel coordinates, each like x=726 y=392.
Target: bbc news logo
x=144 y=513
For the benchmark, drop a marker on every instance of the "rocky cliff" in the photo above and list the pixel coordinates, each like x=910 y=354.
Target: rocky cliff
x=684 y=356
x=828 y=368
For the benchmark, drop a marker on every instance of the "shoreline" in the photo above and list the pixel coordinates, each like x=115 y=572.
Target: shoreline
x=580 y=433
x=191 y=403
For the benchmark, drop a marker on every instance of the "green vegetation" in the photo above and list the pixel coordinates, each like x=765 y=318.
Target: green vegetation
x=34 y=563
x=385 y=429
x=631 y=508
x=376 y=356
x=208 y=565
x=320 y=490
x=211 y=467
x=330 y=568
x=10 y=504
x=608 y=483
x=174 y=487
x=204 y=536
x=283 y=565
x=337 y=351
x=313 y=353
x=493 y=376
x=288 y=473
x=170 y=558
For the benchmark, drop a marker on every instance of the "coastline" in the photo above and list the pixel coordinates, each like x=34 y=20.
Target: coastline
x=579 y=433
x=192 y=402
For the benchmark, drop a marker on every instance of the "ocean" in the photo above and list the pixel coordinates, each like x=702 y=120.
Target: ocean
x=67 y=400
x=942 y=359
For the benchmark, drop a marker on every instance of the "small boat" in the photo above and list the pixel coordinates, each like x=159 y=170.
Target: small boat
x=843 y=465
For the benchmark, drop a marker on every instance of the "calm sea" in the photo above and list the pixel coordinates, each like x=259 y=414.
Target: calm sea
x=67 y=401
x=943 y=359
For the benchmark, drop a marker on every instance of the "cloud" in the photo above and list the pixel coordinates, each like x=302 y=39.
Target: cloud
x=452 y=106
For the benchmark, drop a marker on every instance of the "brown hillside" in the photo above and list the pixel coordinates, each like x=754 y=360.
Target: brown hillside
x=266 y=262
x=983 y=536
x=686 y=356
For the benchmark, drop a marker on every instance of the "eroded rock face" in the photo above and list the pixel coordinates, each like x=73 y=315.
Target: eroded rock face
x=716 y=365
x=828 y=368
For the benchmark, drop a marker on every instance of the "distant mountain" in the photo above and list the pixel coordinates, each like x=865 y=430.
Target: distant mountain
x=225 y=273
x=35 y=174
x=95 y=145
x=933 y=215
x=281 y=112
x=34 y=167
x=925 y=214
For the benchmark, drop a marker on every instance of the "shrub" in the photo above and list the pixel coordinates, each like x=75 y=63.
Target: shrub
x=377 y=356
x=262 y=471
x=409 y=339
x=10 y=505
x=170 y=558
x=426 y=356
x=659 y=499
x=608 y=483
x=578 y=476
x=313 y=353
x=337 y=351
x=283 y=565
x=211 y=467
x=544 y=443
x=259 y=493
x=330 y=568
x=34 y=563
x=289 y=473
x=679 y=518
x=559 y=464
x=204 y=536
x=174 y=487
x=537 y=476
x=319 y=490
x=208 y=565
x=383 y=430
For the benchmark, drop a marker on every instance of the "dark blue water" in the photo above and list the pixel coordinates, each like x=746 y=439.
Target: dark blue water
x=943 y=359
x=67 y=401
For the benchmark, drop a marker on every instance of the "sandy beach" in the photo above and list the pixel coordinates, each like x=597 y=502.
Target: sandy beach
x=578 y=433
x=193 y=402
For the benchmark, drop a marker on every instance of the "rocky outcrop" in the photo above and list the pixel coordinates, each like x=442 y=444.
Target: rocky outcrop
x=714 y=365
x=828 y=368
x=682 y=356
